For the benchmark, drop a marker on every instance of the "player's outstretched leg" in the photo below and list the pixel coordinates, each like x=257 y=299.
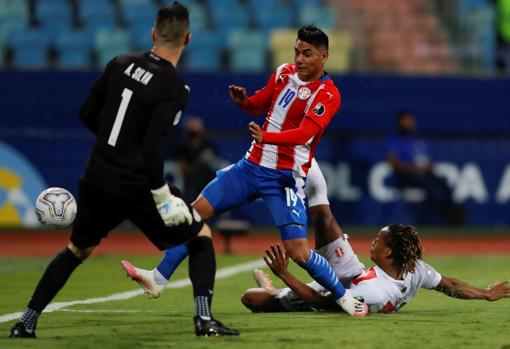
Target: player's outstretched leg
x=144 y=278
x=320 y=270
x=153 y=281
x=202 y=271
x=53 y=279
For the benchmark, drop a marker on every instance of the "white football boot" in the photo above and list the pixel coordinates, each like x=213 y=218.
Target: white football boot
x=144 y=278
x=351 y=305
x=263 y=281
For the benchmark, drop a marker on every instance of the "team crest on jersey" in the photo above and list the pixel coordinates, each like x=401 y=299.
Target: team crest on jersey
x=319 y=109
x=339 y=252
x=304 y=93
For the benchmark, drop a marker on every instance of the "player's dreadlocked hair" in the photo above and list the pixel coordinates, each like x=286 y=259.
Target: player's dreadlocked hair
x=406 y=247
x=172 y=23
x=311 y=34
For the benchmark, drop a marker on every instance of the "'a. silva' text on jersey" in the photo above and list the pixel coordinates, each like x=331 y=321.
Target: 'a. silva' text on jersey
x=131 y=108
x=286 y=100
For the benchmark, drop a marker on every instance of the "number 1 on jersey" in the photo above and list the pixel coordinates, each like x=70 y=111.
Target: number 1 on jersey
x=119 y=118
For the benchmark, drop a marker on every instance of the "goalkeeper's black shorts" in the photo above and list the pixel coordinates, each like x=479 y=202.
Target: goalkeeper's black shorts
x=100 y=211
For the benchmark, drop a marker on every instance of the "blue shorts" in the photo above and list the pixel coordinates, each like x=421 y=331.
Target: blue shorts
x=245 y=181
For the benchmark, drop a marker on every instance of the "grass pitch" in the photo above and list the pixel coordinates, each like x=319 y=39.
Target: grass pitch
x=431 y=320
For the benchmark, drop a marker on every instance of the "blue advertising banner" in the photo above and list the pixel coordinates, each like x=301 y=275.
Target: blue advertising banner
x=466 y=123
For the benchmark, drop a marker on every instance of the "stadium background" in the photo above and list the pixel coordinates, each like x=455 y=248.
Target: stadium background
x=436 y=58
x=442 y=59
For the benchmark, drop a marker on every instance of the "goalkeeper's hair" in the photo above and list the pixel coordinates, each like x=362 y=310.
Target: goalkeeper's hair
x=405 y=245
x=313 y=35
x=172 y=24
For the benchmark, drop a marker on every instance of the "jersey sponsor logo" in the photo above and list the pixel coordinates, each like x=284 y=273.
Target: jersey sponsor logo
x=339 y=252
x=319 y=109
x=304 y=93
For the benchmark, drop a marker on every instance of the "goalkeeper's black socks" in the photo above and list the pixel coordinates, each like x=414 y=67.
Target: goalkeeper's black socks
x=202 y=270
x=29 y=320
x=53 y=279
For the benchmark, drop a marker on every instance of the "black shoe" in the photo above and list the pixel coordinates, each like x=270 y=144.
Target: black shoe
x=19 y=331
x=212 y=327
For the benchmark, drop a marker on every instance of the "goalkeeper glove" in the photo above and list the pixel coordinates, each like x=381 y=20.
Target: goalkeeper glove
x=172 y=209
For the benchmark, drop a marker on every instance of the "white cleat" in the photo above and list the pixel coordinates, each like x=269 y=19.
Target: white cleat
x=263 y=281
x=144 y=278
x=352 y=306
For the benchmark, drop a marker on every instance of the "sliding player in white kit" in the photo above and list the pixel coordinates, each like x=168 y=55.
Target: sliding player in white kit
x=398 y=274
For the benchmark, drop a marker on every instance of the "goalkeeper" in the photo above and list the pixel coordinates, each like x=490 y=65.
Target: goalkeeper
x=132 y=108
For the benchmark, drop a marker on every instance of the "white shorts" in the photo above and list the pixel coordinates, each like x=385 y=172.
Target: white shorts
x=316 y=189
x=345 y=264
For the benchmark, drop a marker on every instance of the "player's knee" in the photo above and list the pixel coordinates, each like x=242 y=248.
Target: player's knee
x=202 y=206
x=205 y=231
x=79 y=252
x=298 y=255
x=297 y=250
x=250 y=301
x=247 y=300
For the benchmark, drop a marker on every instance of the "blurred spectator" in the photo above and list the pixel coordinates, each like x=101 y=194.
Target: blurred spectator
x=197 y=157
x=503 y=35
x=409 y=156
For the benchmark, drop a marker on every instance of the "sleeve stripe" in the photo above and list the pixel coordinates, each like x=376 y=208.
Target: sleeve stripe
x=279 y=71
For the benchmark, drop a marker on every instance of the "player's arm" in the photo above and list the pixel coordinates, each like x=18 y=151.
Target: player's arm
x=173 y=210
x=259 y=103
x=90 y=109
x=154 y=142
x=316 y=118
x=297 y=136
x=456 y=288
x=277 y=260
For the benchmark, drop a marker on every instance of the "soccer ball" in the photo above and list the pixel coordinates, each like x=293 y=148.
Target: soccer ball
x=55 y=207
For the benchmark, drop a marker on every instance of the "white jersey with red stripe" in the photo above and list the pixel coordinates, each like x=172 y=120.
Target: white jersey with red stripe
x=286 y=100
x=384 y=294
x=381 y=292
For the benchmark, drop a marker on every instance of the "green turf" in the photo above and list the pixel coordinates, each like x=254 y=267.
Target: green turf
x=431 y=320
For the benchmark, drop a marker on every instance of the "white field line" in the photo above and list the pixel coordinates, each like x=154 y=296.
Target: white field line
x=223 y=273
x=112 y=311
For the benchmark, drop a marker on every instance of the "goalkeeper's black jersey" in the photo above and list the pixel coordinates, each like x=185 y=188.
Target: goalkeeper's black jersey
x=131 y=108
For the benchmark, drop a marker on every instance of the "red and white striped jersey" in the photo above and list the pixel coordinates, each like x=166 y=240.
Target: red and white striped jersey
x=287 y=100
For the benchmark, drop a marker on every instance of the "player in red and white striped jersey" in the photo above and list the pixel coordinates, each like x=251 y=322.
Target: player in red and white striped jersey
x=297 y=113
x=298 y=101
